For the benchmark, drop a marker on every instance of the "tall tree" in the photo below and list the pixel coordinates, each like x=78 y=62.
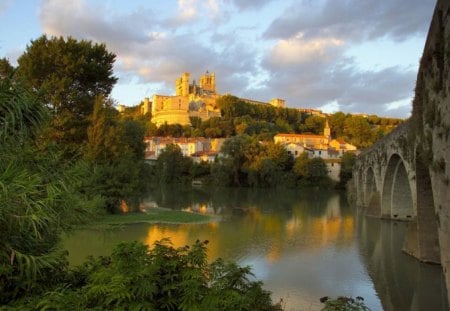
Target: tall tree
x=6 y=69
x=359 y=132
x=68 y=74
x=39 y=197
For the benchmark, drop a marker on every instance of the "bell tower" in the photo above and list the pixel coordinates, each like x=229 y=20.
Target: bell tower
x=327 y=130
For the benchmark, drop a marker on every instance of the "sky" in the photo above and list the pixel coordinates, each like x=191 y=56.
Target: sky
x=355 y=56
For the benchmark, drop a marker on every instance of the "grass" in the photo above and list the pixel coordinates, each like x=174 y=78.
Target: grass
x=155 y=215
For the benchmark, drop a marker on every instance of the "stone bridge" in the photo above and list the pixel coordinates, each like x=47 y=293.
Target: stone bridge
x=406 y=175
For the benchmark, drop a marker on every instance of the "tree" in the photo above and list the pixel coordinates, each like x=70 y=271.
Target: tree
x=301 y=165
x=6 y=69
x=115 y=151
x=314 y=124
x=337 y=124
x=163 y=278
x=346 y=172
x=311 y=172
x=172 y=166
x=39 y=197
x=358 y=131
x=68 y=74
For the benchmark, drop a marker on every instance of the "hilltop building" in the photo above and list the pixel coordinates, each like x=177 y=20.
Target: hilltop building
x=190 y=100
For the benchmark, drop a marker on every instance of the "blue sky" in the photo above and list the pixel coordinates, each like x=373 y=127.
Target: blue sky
x=358 y=56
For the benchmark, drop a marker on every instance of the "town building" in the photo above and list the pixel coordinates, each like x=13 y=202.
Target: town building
x=317 y=146
x=197 y=148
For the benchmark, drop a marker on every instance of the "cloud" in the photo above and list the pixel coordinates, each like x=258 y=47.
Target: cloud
x=299 y=56
x=250 y=4
x=337 y=81
x=353 y=20
x=4 y=5
x=297 y=50
x=81 y=21
x=149 y=51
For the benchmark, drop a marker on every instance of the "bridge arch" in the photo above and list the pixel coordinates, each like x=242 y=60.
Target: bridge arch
x=397 y=200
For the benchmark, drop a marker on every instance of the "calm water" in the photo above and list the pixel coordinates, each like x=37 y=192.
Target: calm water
x=303 y=245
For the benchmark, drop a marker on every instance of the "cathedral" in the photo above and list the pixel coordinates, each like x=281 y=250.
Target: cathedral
x=190 y=100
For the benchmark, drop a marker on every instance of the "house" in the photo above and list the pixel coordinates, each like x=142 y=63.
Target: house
x=198 y=148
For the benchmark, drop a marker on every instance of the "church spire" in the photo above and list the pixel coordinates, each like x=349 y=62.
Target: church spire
x=327 y=130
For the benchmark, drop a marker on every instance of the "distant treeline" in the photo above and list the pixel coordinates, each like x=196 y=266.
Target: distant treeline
x=246 y=162
x=265 y=121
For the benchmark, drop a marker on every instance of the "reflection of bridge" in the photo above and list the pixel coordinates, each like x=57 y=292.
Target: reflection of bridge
x=406 y=175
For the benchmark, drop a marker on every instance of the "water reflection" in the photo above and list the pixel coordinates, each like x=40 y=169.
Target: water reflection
x=402 y=282
x=303 y=245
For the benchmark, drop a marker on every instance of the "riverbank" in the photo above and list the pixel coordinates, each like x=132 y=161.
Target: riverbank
x=156 y=215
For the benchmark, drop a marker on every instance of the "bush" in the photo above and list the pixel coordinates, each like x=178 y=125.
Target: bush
x=163 y=278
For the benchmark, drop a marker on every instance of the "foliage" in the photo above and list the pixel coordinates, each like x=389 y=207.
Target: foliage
x=344 y=304
x=358 y=131
x=115 y=151
x=345 y=174
x=6 y=69
x=68 y=74
x=39 y=197
x=314 y=124
x=311 y=171
x=172 y=166
x=163 y=278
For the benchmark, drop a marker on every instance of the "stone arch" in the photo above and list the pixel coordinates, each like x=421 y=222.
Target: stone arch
x=396 y=201
x=427 y=226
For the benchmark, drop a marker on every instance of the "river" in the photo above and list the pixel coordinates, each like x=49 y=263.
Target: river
x=302 y=244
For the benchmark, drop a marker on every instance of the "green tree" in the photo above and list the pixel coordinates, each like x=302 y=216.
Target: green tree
x=337 y=124
x=163 y=278
x=6 y=69
x=172 y=166
x=311 y=172
x=345 y=174
x=314 y=124
x=317 y=170
x=301 y=165
x=68 y=74
x=39 y=197
x=359 y=132
x=115 y=150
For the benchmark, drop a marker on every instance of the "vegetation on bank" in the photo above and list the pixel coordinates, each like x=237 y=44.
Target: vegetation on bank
x=135 y=277
x=246 y=162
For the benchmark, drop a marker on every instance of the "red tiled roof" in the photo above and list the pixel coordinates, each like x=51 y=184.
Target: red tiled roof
x=300 y=135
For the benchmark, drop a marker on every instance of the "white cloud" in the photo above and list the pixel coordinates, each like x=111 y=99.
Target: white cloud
x=301 y=56
x=4 y=5
x=298 y=50
x=187 y=10
x=355 y=20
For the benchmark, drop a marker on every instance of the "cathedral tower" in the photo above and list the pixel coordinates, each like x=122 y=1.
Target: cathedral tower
x=327 y=130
